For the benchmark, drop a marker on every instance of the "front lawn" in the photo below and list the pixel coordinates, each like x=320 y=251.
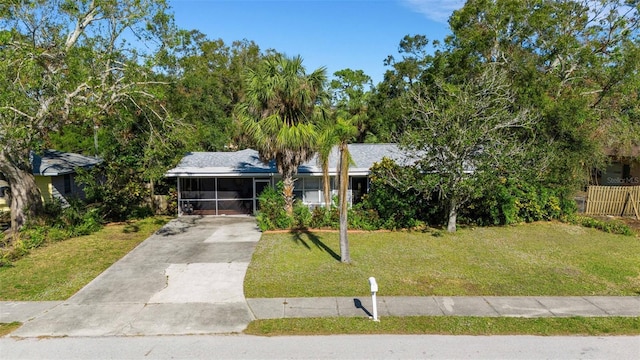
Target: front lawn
x=540 y=259
x=58 y=270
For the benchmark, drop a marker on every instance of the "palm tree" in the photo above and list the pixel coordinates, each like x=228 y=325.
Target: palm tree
x=347 y=122
x=277 y=114
x=337 y=133
x=345 y=130
x=327 y=140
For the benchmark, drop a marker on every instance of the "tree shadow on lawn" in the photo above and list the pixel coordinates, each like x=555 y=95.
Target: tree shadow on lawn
x=300 y=235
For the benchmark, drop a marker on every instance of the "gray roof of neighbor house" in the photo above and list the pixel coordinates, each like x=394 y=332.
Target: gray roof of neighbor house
x=247 y=162
x=56 y=163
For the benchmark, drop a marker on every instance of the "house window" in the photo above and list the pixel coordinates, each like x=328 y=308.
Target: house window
x=312 y=190
x=67 y=183
x=308 y=190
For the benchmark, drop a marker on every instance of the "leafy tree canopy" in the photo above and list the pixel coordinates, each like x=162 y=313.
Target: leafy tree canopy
x=64 y=62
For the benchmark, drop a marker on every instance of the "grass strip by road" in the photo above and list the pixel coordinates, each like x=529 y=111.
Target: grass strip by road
x=59 y=270
x=448 y=325
x=539 y=259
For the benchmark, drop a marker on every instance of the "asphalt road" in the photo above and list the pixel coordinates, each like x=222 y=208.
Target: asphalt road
x=323 y=347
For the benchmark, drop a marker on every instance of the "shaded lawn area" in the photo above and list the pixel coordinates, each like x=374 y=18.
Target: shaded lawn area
x=58 y=270
x=543 y=259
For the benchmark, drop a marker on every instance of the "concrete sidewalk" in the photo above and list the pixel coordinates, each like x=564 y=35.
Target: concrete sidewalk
x=494 y=306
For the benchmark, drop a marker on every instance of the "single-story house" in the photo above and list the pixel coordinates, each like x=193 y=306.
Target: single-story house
x=55 y=173
x=225 y=183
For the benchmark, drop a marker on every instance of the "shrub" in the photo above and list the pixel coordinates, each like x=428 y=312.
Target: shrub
x=325 y=218
x=33 y=237
x=57 y=234
x=272 y=214
x=301 y=215
x=363 y=219
x=614 y=226
x=116 y=189
x=140 y=212
x=396 y=206
x=512 y=201
x=91 y=222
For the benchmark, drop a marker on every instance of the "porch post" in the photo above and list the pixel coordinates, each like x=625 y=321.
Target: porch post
x=179 y=198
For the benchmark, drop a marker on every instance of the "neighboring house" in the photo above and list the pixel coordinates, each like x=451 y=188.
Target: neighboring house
x=623 y=170
x=55 y=173
x=224 y=183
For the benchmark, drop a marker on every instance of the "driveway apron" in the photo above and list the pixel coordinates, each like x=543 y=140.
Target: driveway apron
x=187 y=278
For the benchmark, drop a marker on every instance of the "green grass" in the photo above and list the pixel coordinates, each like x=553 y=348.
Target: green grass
x=8 y=328
x=532 y=259
x=540 y=259
x=58 y=270
x=448 y=325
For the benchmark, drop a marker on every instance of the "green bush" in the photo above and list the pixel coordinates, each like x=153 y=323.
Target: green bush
x=512 y=201
x=141 y=212
x=272 y=214
x=33 y=237
x=396 y=208
x=116 y=189
x=325 y=218
x=91 y=222
x=363 y=219
x=301 y=215
x=614 y=226
x=57 y=234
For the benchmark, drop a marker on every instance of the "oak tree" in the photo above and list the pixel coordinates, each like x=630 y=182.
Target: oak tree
x=68 y=61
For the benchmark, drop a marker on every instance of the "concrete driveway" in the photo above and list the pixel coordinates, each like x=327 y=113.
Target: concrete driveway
x=185 y=279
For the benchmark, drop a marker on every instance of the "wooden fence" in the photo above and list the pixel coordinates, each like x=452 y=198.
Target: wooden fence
x=613 y=200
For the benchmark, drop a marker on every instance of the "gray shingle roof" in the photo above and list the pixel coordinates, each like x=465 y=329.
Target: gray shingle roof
x=55 y=163
x=246 y=162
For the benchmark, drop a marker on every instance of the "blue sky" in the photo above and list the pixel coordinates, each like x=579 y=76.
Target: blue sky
x=356 y=34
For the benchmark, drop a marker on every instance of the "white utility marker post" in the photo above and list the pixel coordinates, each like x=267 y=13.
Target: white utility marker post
x=374 y=290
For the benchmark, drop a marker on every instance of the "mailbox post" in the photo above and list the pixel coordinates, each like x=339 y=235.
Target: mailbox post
x=374 y=290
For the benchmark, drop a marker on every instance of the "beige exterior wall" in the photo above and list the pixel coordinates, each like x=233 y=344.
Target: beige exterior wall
x=44 y=184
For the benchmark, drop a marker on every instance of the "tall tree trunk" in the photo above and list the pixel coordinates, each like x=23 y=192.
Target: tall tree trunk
x=453 y=215
x=26 y=200
x=287 y=193
x=345 y=257
x=326 y=185
x=152 y=197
